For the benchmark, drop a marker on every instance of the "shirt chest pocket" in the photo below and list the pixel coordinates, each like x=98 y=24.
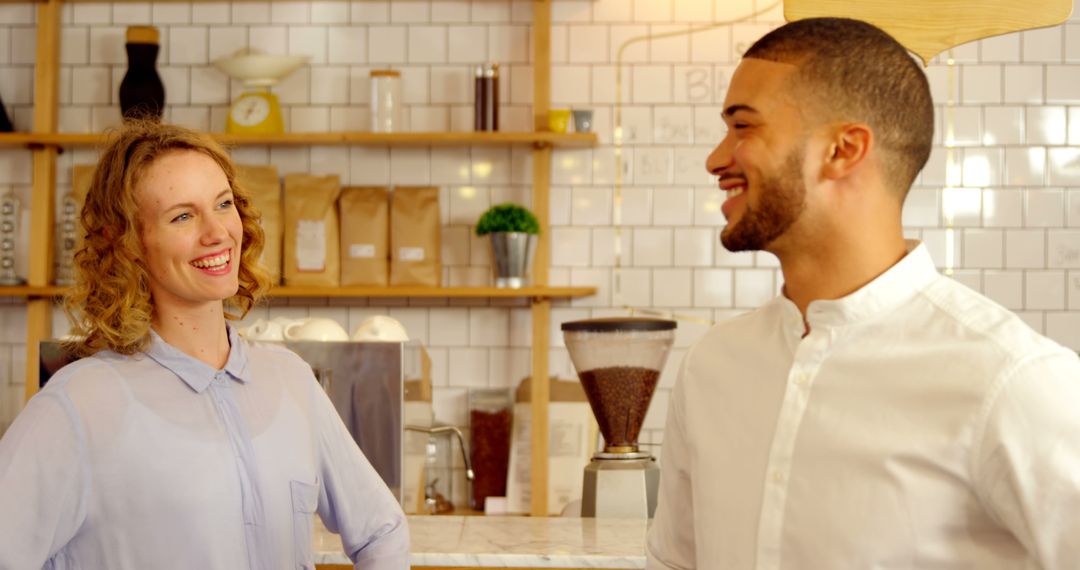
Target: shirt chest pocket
x=305 y=501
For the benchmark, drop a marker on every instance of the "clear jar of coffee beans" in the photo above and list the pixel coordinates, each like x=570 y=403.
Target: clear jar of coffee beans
x=490 y=422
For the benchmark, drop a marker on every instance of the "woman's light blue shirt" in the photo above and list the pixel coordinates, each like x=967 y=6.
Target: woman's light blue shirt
x=161 y=461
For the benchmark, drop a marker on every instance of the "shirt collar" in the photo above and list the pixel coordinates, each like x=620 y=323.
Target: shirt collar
x=896 y=285
x=195 y=373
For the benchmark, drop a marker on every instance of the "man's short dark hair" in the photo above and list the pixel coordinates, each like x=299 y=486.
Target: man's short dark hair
x=853 y=71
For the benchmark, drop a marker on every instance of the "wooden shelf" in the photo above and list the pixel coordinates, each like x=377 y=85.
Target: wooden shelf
x=541 y=138
x=29 y=292
x=428 y=292
x=151 y=1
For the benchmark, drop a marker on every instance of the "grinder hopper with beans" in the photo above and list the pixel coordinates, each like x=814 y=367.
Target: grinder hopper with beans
x=619 y=361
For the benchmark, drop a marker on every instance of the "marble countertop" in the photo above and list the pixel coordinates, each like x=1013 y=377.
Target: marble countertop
x=513 y=542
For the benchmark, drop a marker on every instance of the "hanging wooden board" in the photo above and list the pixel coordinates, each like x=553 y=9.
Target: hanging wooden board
x=929 y=27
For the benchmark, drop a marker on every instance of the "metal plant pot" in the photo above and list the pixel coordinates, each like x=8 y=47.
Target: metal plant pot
x=512 y=255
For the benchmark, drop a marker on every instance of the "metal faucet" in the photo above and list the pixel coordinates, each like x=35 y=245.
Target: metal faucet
x=461 y=442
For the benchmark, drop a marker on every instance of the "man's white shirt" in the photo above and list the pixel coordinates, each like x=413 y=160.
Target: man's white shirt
x=918 y=425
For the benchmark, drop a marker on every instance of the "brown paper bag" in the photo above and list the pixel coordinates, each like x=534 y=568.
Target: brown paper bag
x=414 y=237
x=572 y=438
x=365 y=236
x=311 y=231
x=264 y=186
x=81 y=177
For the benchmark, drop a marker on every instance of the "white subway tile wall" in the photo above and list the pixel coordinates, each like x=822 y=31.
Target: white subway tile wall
x=998 y=205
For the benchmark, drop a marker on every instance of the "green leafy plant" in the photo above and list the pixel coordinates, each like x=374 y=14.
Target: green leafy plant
x=507 y=218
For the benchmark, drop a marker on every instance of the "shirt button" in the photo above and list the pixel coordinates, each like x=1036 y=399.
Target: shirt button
x=800 y=379
x=777 y=477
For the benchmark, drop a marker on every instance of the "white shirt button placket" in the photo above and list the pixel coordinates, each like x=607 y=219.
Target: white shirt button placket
x=808 y=356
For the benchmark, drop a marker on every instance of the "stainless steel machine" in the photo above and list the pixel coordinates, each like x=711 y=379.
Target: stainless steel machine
x=618 y=361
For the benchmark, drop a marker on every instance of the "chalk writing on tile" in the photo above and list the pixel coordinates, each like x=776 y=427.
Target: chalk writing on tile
x=690 y=167
x=653 y=164
x=1066 y=256
x=637 y=125
x=704 y=85
x=687 y=163
x=721 y=79
x=698 y=85
x=709 y=127
x=670 y=128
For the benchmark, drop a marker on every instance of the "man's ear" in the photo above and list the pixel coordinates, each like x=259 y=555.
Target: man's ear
x=848 y=150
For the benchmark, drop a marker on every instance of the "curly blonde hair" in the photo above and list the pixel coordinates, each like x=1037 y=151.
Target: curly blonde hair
x=110 y=305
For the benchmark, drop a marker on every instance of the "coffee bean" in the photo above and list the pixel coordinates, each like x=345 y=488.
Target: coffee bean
x=620 y=397
x=490 y=454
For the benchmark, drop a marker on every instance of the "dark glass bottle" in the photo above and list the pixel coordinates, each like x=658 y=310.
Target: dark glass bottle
x=486 y=112
x=5 y=122
x=142 y=94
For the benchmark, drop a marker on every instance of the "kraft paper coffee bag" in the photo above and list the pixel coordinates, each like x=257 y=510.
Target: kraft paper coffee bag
x=264 y=186
x=311 y=231
x=414 y=237
x=82 y=175
x=572 y=436
x=365 y=236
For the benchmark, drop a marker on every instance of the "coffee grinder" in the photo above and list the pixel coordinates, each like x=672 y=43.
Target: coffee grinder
x=618 y=361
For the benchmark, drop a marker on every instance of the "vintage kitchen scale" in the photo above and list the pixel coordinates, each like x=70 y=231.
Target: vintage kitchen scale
x=257 y=110
x=618 y=361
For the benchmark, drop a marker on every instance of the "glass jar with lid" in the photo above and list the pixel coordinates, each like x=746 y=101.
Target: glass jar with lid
x=386 y=101
x=490 y=427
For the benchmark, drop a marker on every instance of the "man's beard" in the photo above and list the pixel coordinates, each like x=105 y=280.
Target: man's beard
x=782 y=200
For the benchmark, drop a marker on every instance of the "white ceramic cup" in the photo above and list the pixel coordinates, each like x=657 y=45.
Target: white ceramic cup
x=380 y=328
x=264 y=330
x=317 y=329
x=283 y=321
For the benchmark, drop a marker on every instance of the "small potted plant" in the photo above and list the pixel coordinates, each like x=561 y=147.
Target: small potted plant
x=513 y=230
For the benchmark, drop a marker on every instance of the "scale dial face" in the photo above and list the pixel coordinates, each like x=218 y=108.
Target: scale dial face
x=250 y=110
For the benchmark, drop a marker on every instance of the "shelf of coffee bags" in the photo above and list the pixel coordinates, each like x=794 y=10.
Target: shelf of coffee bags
x=464 y=138
x=286 y=291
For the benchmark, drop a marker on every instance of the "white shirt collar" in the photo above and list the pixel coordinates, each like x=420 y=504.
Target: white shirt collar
x=887 y=291
x=193 y=372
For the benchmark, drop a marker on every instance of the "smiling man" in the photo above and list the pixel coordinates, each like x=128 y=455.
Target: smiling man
x=876 y=415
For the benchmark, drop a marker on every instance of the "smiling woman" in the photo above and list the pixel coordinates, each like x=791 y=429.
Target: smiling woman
x=150 y=171
x=175 y=443
x=191 y=233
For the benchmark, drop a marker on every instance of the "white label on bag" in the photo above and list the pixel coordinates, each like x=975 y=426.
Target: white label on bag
x=362 y=250
x=411 y=254
x=565 y=439
x=311 y=245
